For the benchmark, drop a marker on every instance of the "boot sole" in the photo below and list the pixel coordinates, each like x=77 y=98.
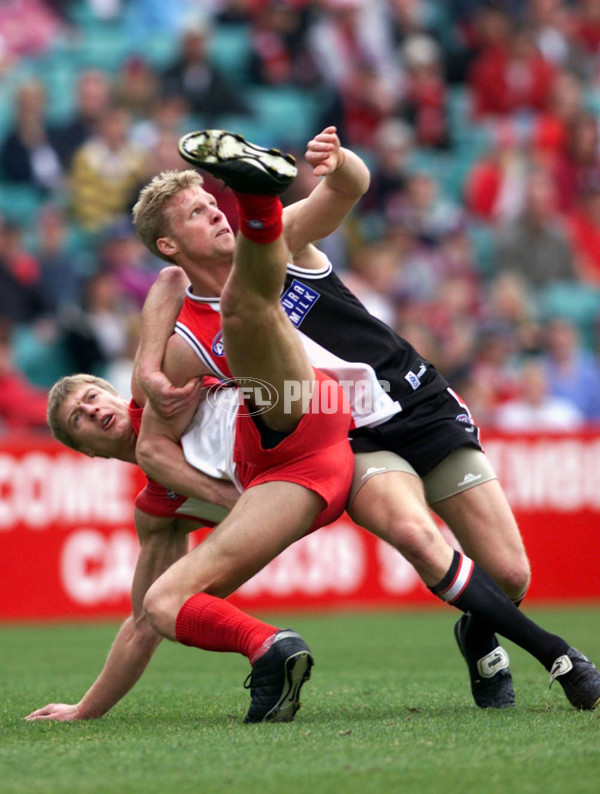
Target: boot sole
x=297 y=672
x=212 y=147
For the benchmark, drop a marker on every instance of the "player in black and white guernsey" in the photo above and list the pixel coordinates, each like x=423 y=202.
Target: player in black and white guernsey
x=414 y=441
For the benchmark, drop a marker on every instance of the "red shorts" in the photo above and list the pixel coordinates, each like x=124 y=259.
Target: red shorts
x=158 y=501
x=316 y=454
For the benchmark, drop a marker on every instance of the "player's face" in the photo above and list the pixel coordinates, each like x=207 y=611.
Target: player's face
x=98 y=421
x=198 y=229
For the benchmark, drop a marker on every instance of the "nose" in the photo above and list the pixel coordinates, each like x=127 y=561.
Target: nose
x=90 y=410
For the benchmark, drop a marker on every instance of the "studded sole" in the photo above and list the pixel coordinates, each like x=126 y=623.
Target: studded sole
x=297 y=672
x=220 y=146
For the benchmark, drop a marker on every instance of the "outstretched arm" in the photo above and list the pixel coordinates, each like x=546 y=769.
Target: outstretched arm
x=161 y=308
x=163 y=541
x=345 y=179
x=157 y=450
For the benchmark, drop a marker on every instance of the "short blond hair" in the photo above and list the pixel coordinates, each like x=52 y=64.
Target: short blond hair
x=149 y=215
x=57 y=396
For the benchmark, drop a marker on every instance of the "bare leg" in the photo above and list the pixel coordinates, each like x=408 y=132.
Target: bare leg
x=392 y=506
x=483 y=523
x=259 y=338
x=265 y=520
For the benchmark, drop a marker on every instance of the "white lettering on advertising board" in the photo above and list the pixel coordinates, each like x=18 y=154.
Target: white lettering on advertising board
x=552 y=474
x=98 y=569
x=329 y=561
x=40 y=489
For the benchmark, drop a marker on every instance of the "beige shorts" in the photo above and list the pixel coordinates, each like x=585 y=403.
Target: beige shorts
x=462 y=469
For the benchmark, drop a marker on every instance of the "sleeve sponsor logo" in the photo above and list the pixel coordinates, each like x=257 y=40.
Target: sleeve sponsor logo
x=415 y=379
x=298 y=300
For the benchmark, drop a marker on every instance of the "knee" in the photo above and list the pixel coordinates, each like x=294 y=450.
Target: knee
x=239 y=305
x=515 y=578
x=161 y=609
x=231 y=302
x=415 y=537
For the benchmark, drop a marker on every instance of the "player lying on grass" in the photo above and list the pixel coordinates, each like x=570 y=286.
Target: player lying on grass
x=415 y=442
x=294 y=464
x=579 y=678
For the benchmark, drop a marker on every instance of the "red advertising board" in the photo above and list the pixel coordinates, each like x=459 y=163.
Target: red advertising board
x=68 y=546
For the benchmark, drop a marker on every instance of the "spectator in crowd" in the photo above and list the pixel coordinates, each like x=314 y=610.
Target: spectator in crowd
x=92 y=100
x=22 y=407
x=96 y=333
x=120 y=368
x=425 y=92
x=579 y=163
x=20 y=300
x=509 y=74
x=27 y=28
x=584 y=229
x=351 y=32
x=122 y=254
x=587 y=28
x=551 y=23
x=371 y=276
x=536 y=409
x=360 y=106
x=137 y=87
x=572 y=372
x=193 y=77
x=424 y=210
x=280 y=55
x=495 y=184
x=492 y=367
x=390 y=169
x=166 y=119
x=510 y=302
x=535 y=245
x=106 y=172
x=28 y=154
x=478 y=395
x=550 y=134
x=60 y=278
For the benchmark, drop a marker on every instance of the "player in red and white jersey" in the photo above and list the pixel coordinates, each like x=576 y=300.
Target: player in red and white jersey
x=156 y=500
x=296 y=459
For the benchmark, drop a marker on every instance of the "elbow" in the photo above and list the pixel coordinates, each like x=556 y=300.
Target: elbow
x=363 y=180
x=139 y=632
x=173 y=277
x=366 y=180
x=146 y=455
x=144 y=634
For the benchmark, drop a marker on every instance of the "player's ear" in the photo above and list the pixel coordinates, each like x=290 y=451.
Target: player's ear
x=166 y=245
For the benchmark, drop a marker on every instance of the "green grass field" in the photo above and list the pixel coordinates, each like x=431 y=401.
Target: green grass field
x=387 y=709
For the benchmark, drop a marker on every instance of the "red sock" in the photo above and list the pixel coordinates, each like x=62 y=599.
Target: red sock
x=260 y=217
x=216 y=625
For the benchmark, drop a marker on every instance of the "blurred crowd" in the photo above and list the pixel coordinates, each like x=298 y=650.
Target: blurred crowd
x=478 y=241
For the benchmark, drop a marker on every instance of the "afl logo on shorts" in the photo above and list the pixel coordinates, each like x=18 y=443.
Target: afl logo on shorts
x=217 y=345
x=464 y=418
